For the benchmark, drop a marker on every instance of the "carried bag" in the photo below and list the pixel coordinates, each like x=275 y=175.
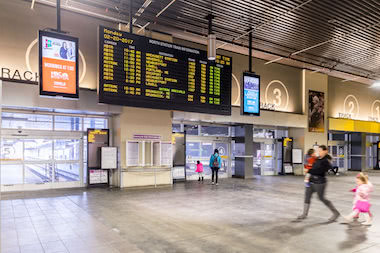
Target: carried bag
x=215 y=162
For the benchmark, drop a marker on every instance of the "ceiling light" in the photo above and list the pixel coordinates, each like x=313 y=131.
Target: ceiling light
x=211 y=47
x=376 y=84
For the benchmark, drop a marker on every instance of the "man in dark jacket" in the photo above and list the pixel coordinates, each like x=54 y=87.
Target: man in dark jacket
x=318 y=184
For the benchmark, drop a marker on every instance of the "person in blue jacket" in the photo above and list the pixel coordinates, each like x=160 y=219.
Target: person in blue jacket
x=215 y=164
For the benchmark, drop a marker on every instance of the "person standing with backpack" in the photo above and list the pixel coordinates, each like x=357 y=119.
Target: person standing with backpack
x=215 y=164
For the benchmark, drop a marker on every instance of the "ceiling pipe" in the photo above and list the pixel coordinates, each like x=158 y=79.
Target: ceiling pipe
x=32 y=6
x=164 y=9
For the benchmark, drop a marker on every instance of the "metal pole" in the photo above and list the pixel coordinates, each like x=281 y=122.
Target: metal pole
x=130 y=16
x=59 y=16
x=250 y=52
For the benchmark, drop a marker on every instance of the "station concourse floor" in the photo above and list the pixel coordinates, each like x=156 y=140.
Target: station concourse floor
x=256 y=215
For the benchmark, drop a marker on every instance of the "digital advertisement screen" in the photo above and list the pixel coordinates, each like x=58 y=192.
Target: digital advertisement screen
x=58 y=62
x=143 y=72
x=251 y=94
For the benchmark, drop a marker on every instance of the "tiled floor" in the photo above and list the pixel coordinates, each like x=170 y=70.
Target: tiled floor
x=236 y=216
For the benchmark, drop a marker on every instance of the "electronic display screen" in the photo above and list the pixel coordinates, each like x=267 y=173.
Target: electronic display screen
x=251 y=94
x=143 y=72
x=58 y=63
x=96 y=138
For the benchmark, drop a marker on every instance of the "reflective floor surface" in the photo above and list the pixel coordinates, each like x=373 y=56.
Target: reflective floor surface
x=237 y=216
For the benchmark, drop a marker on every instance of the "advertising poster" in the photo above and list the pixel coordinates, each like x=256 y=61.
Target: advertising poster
x=316 y=111
x=58 y=65
x=251 y=94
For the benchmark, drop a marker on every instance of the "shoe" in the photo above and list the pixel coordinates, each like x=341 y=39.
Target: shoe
x=199 y=179
x=212 y=182
x=305 y=212
x=347 y=219
x=368 y=221
x=334 y=217
x=216 y=184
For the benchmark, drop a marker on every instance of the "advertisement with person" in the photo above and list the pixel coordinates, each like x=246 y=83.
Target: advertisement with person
x=316 y=111
x=58 y=65
x=251 y=94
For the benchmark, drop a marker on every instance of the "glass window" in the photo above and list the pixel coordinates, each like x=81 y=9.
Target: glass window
x=38 y=173
x=67 y=172
x=176 y=128
x=258 y=133
x=11 y=150
x=38 y=149
x=207 y=149
x=97 y=123
x=67 y=123
x=191 y=129
x=214 y=130
x=66 y=149
x=11 y=174
x=193 y=149
x=27 y=121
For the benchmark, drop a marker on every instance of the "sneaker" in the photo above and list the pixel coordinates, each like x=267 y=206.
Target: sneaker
x=216 y=184
x=367 y=223
x=347 y=219
x=212 y=182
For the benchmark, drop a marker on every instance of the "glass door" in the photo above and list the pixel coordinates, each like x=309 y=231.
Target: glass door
x=35 y=162
x=197 y=150
x=268 y=166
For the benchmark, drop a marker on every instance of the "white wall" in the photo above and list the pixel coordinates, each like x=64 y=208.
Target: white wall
x=27 y=96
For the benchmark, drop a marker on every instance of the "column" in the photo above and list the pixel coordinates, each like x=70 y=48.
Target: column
x=244 y=163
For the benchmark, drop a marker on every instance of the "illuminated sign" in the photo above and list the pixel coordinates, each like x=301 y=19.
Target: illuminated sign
x=58 y=62
x=251 y=94
x=143 y=72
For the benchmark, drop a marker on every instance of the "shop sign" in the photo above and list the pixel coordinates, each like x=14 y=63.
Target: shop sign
x=15 y=75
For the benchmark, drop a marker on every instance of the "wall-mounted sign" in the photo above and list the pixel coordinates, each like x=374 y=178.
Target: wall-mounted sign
x=250 y=94
x=146 y=137
x=58 y=62
x=15 y=75
x=316 y=111
x=277 y=95
x=267 y=106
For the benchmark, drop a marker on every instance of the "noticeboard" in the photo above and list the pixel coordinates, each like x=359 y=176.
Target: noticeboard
x=108 y=159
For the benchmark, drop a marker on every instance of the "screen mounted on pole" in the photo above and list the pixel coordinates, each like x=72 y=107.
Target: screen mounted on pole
x=250 y=102
x=143 y=72
x=58 y=63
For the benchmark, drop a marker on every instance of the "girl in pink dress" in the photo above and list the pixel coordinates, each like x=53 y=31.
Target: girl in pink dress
x=199 y=170
x=361 y=199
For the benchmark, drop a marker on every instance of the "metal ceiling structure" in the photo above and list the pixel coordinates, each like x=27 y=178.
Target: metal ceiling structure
x=332 y=35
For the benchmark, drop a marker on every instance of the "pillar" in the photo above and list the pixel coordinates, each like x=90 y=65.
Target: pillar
x=244 y=163
x=303 y=138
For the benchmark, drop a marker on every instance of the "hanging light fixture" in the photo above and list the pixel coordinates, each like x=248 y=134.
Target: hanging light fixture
x=211 y=39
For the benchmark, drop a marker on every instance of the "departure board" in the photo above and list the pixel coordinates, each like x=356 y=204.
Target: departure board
x=143 y=72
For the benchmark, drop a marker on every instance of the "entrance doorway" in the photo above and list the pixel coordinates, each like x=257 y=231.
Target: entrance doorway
x=200 y=149
x=36 y=160
x=264 y=157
